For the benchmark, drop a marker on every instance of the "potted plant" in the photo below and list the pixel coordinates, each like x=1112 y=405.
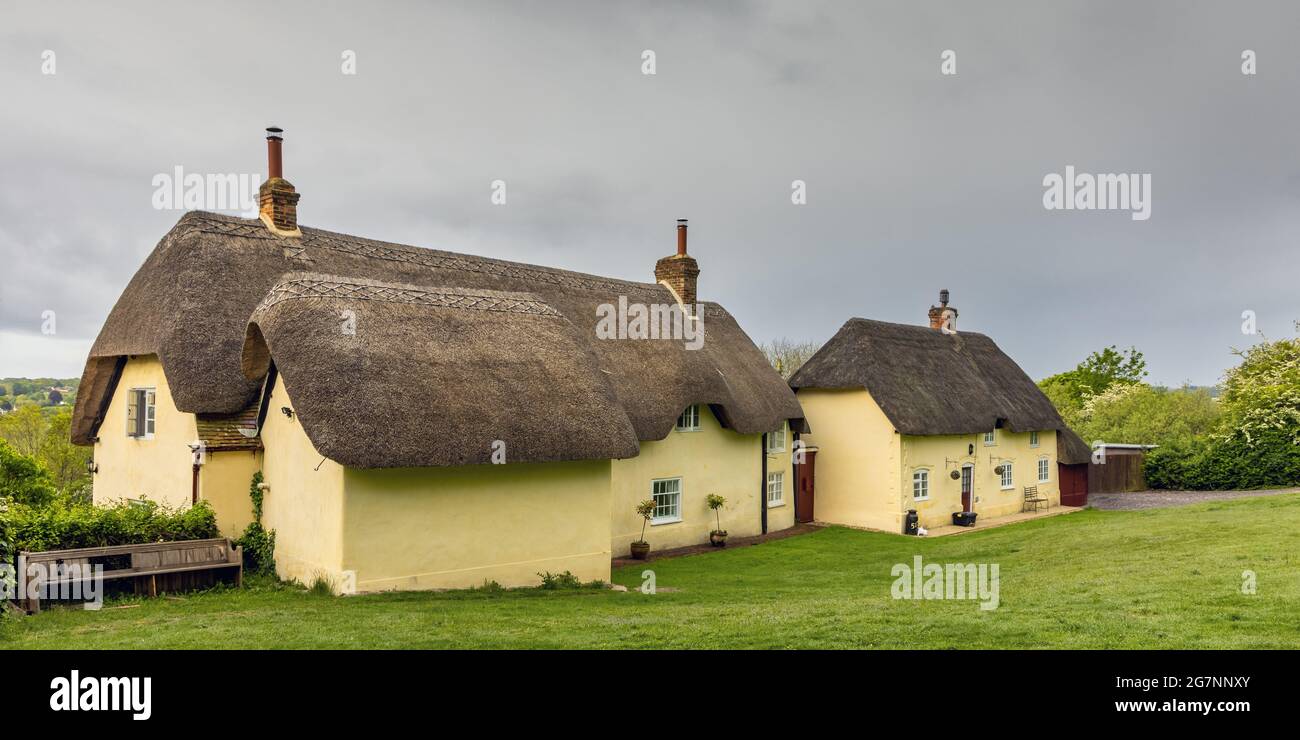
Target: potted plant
x=718 y=537
x=641 y=548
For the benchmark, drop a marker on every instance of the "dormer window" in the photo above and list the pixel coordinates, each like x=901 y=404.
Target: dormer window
x=689 y=421
x=140 y=413
x=1033 y=439
x=990 y=438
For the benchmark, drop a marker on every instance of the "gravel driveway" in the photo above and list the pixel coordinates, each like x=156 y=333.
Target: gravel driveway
x=1162 y=499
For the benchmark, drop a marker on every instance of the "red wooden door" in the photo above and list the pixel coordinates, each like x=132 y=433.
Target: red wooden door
x=804 y=507
x=967 y=472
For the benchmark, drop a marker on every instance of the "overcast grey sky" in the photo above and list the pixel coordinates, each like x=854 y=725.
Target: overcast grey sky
x=916 y=181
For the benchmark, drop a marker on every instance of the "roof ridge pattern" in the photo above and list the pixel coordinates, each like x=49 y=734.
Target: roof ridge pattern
x=388 y=293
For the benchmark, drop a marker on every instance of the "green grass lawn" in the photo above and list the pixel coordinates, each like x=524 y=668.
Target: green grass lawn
x=1164 y=578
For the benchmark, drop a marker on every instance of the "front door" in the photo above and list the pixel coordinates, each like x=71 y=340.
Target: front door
x=967 y=475
x=803 y=510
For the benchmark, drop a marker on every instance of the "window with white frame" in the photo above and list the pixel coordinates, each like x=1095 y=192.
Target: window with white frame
x=689 y=421
x=1044 y=470
x=1007 y=479
x=667 y=494
x=920 y=485
x=1033 y=439
x=776 y=489
x=141 y=413
x=990 y=437
x=776 y=440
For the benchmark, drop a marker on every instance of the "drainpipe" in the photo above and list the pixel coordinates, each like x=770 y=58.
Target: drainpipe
x=762 y=480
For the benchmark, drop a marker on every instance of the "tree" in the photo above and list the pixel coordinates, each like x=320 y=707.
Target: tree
x=1101 y=370
x=65 y=461
x=25 y=428
x=22 y=479
x=788 y=356
x=1261 y=396
x=56 y=398
x=5 y=405
x=1136 y=413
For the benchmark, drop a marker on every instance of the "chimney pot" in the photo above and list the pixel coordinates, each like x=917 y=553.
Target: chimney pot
x=681 y=237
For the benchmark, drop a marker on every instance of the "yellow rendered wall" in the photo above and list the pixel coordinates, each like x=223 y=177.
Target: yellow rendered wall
x=304 y=502
x=223 y=483
x=424 y=528
x=159 y=469
x=782 y=517
x=943 y=454
x=711 y=460
x=856 y=471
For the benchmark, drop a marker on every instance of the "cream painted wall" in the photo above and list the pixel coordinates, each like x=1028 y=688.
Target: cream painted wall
x=421 y=528
x=943 y=454
x=304 y=502
x=161 y=468
x=223 y=483
x=856 y=475
x=711 y=460
x=782 y=517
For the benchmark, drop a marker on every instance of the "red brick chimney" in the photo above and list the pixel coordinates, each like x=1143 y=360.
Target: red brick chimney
x=679 y=271
x=277 y=198
x=943 y=314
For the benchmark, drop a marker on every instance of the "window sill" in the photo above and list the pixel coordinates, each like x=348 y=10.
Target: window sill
x=775 y=504
x=924 y=498
x=683 y=429
x=665 y=520
x=1008 y=488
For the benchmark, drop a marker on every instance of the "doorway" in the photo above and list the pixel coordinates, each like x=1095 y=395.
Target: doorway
x=967 y=480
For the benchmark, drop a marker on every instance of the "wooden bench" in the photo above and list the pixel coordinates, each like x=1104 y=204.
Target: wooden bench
x=1033 y=499
x=143 y=563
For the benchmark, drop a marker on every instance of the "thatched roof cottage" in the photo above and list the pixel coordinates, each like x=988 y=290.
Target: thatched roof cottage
x=926 y=418
x=424 y=418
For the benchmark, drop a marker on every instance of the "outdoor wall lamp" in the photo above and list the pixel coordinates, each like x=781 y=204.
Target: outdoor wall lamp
x=92 y=467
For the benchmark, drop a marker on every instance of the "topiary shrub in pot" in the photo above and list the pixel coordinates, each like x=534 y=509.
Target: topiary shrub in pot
x=718 y=537
x=646 y=510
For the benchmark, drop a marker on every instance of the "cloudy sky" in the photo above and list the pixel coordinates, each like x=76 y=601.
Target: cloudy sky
x=915 y=180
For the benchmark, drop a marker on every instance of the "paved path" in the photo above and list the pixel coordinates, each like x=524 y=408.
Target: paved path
x=1162 y=499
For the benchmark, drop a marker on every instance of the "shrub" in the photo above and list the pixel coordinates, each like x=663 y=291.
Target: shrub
x=257 y=543
x=23 y=480
x=1269 y=459
x=62 y=526
x=555 y=581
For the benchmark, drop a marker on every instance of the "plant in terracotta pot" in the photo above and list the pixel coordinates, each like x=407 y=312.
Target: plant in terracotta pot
x=646 y=510
x=718 y=537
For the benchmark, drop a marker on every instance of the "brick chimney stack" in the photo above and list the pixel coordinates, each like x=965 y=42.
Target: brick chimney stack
x=277 y=198
x=943 y=316
x=679 y=271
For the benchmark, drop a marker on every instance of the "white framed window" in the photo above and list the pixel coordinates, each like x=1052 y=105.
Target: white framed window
x=1033 y=439
x=1044 y=470
x=776 y=489
x=920 y=484
x=776 y=440
x=667 y=494
x=689 y=421
x=991 y=438
x=1008 y=479
x=141 y=413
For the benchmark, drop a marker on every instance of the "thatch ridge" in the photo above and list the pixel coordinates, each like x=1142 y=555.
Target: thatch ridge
x=928 y=382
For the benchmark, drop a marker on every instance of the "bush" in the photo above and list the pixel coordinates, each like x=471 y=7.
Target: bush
x=556 y=581
x=62 y=526
x=1267 y=460
x=23 y=480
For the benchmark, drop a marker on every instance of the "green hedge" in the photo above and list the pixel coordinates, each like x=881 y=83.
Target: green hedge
x=62 y=526
x=1271 y=460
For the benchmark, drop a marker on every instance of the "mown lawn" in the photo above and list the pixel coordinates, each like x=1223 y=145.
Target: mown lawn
x=1166 y=578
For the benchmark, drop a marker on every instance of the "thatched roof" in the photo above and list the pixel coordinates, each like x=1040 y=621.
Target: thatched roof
x=928 y=382
x=450 y=348
x=1070 y=447
x=227 y=432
